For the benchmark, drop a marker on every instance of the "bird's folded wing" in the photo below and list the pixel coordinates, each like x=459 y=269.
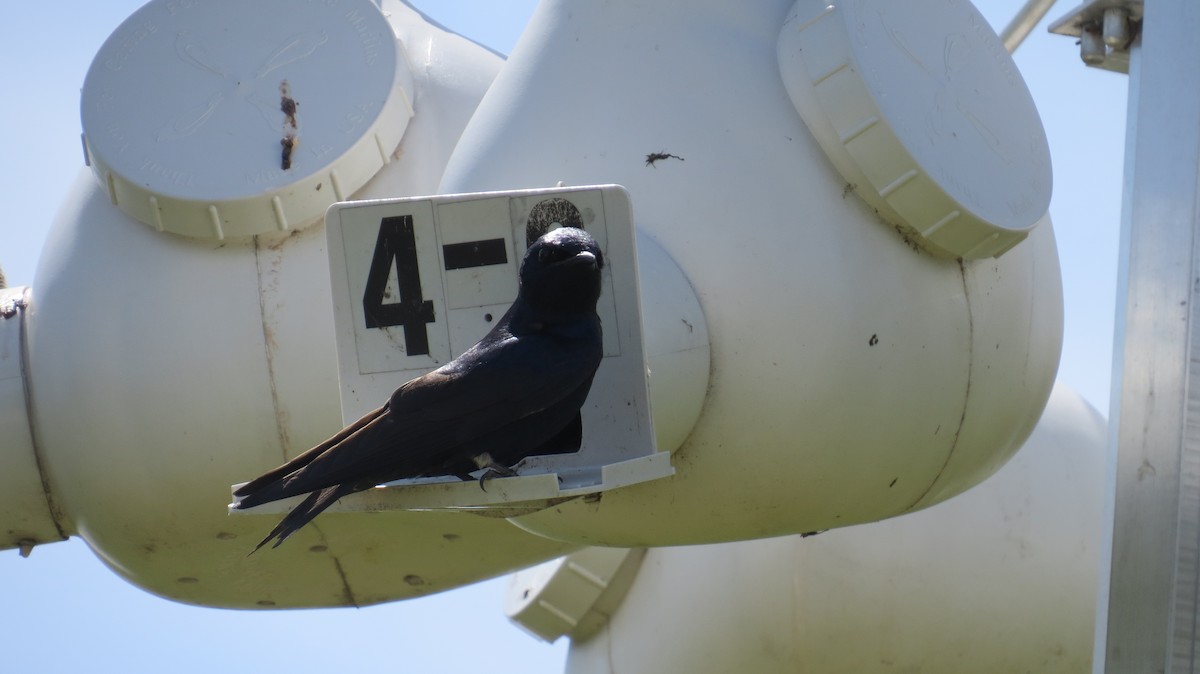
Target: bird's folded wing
x=307 y=457
x=429 y=416
x=511 y=379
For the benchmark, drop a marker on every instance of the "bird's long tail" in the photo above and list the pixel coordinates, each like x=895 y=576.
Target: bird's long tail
x=303 y=513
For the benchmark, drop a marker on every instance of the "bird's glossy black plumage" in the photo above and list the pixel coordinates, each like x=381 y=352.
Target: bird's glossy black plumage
x=516 y=393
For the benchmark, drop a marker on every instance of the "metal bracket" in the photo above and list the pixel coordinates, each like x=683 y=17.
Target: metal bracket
x=1106 y=29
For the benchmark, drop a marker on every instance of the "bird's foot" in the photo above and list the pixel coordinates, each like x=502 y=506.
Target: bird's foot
x=495 y=470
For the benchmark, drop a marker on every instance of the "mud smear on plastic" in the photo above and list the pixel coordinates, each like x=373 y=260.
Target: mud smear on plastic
x=291 y=127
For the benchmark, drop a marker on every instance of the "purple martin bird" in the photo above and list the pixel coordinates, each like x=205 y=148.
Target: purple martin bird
x=516 y=393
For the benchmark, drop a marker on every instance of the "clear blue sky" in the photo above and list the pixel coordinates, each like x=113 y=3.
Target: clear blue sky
x=62 y=610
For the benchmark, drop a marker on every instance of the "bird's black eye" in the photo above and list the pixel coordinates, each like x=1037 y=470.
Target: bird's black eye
x=547 y=254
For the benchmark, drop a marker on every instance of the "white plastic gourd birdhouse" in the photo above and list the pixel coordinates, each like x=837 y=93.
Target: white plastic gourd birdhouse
x=857 y=196
x=179 y=336
x=833 y=298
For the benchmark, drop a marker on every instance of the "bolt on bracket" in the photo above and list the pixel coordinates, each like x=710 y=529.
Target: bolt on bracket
x=1106 y=29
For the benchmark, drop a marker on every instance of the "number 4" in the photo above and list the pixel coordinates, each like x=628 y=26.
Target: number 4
x=397 y=241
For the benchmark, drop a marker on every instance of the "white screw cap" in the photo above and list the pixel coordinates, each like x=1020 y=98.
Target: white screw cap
x=572 y=595
x=922 y=110
x=225 y=118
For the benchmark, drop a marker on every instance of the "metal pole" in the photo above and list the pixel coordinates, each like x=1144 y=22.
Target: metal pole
x=1027 y=17
x=1152 y=602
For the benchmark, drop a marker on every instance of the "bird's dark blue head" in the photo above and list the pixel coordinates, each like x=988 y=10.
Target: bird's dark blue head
x=561 y=271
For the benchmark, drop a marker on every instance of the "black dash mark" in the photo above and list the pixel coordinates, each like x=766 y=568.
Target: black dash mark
x=397 y=241
x=474 y=254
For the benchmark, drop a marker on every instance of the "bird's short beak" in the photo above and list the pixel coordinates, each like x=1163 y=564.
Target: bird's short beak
x=583 y=257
